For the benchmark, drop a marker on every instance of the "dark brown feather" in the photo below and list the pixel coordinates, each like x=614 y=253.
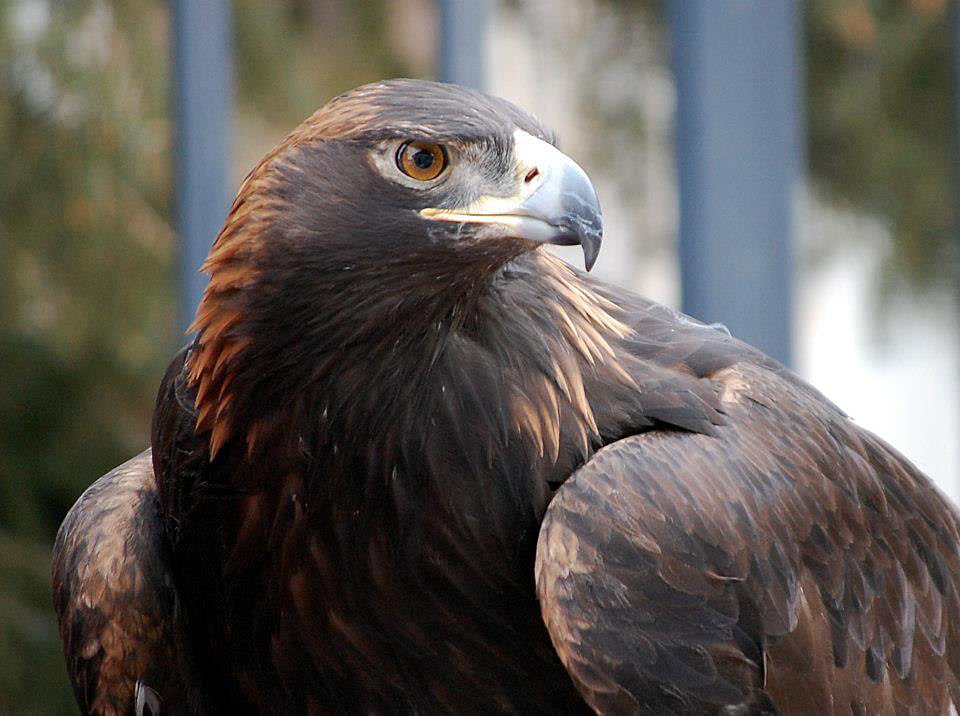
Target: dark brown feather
x=790 y=553
x=119 y=617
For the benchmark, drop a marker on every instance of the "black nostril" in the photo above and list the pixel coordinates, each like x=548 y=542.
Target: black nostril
x=531 y=175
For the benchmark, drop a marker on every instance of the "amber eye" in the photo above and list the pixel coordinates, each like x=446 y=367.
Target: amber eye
x=421 y=160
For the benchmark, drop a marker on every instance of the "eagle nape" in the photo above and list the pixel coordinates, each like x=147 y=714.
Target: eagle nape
x=410 y=462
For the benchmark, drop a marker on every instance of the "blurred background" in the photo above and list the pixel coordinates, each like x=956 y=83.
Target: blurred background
x=863 y=140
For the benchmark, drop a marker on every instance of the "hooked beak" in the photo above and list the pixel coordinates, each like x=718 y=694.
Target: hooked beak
x=555 y=202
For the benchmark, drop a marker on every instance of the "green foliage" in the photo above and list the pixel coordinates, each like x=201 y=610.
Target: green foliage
x=86 y=310
x=881 y=118
x=292 y=56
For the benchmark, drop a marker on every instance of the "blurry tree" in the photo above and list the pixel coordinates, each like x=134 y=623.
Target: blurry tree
x=87 y=278
x=86 y=310
x=881 y=124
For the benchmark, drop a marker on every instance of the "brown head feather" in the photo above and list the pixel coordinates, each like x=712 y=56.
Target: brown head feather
x=296 y=194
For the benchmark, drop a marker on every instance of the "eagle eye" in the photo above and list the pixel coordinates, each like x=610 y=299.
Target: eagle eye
x=422 y=161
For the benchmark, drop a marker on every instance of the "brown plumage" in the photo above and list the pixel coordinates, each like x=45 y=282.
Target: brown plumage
x=413 y=463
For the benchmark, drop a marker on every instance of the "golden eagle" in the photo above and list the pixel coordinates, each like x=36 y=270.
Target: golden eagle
x=413 y=463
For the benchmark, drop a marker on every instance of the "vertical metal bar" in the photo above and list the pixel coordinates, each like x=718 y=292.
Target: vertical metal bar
x=463 y=39
x=202 y=99
x=738 y=143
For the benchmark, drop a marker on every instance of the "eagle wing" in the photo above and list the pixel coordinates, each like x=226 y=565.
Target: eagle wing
x=122 y=632
x=790 y=563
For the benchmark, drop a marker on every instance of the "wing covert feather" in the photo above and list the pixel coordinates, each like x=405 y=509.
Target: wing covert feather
x=792 y=563
x=122 y=632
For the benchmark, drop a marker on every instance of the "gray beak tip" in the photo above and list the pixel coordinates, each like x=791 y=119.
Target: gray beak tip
x=590 y=243
x=569 y=203
x=580 y=213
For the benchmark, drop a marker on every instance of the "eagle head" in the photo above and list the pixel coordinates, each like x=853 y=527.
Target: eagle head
x=383 y=214
x=409 y=165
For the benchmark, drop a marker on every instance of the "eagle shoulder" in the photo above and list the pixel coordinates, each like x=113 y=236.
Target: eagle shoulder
x=789 y=561
x=121 y=629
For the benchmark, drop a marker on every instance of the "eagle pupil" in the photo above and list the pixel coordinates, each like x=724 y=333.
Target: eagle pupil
x=423 y=159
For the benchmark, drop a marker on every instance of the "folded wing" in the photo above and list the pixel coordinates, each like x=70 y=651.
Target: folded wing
x=123 y=635
x=791 y=563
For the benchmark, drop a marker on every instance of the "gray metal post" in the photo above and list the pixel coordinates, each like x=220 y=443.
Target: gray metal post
x=202 y=96
x=463 y=37
x=739 y=149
